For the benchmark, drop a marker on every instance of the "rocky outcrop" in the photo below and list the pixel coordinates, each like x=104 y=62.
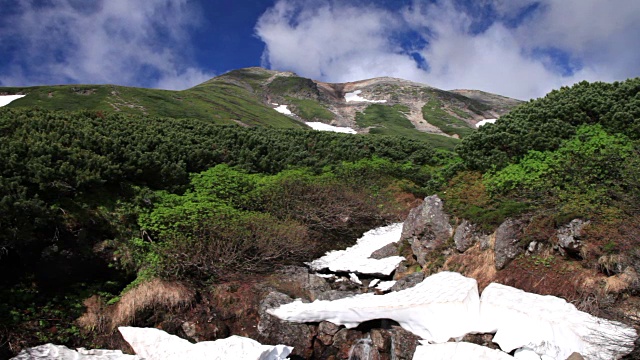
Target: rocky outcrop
x=507 y=244
x=569 y=237
x=388 y=250
x=272 y=330
x=427 y=227
x=408 y=281
x=466 y=235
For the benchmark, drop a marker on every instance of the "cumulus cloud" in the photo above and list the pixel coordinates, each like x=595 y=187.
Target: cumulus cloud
x=525 y=48
x=109 y=41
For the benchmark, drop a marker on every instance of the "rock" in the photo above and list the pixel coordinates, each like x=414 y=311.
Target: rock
x=343 y=340
x=426 y=227
x=335 y=295
x=381 y=339
x=550 y=326
x=59 y=352
x=569 y=237
x=458 y=351
x=575 y=356
x=448 y=306
x=155 y=344
x=299 y=280
x=507 y=246
x=403 y=343
x=386 y=251
x=408 y=281
x=272 y=330
x=466 y=235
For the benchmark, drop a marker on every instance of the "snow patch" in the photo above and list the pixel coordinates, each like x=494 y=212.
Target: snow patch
x=458 y=351
x=485 y=121
x=386 y=285
x=354 y=279
x=550 y=326
x=282 y=109
x=155 y=344
x=356 y=258
x=442 y=306
x=6 y=99
x=326 y=127
x=60 y=352
x=355 y=96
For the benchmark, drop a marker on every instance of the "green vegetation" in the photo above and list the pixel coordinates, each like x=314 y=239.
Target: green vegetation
x=310 y=109
x=434 y=114
x=391 y=120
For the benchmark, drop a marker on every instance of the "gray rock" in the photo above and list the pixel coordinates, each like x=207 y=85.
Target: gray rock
x=569 y=236
x=426 y=227
x=59 y=352
x=575 y=356
x=298 y=277
x=272 y=330
x=403 y=343
x=507 y=246
x=385 y=252
x=335 y=295
x=466 y=235
x=408 y=281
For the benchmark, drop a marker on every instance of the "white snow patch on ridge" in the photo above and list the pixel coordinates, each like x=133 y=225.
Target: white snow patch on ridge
x=326 y=127
x=356 y=258
x=6 y=99
x=485 y=121
x=282 y=109
x=355 y=96
x=443 y=306
x=155 y=344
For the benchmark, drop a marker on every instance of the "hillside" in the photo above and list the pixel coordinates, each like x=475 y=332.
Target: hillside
x=249 y=96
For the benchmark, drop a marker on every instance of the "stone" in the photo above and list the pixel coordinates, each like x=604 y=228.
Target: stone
x=335 y=295
x=272 y=330
x=575 y=356
x=386 y=251
x=408 y=281
x=569 y=237
x=466 y=235
x=403 y=343
x=381 y=339
x=299 y=278
x=507 y=246
x=426 y=227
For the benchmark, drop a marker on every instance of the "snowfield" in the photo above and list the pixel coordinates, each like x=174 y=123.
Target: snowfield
x=485 y=122
x=355 y=97
x=326 y=127
x=6 y=99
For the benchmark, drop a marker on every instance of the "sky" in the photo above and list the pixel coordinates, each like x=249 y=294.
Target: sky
x=517 y=48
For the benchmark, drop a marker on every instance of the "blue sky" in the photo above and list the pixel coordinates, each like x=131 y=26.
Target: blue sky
x=518 y=48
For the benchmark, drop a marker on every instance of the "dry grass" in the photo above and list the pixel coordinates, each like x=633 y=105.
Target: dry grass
x=152 y=294
x=620 y=282
x=475 y=263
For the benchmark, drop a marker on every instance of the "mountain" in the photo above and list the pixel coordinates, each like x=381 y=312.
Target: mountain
x=249 y=97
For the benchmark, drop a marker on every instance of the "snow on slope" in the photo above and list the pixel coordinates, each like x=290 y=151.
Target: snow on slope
x=6 y=99
x=355 y=96
x=443 y=306
x=458 y=351
x=60 y=352
x=155 y=344
x=485 y=121
x=282 y=109
x=550 y=326
x=325 y=127
x=356 y=258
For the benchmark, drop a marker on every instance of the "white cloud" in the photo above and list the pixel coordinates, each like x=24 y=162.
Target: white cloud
x=513 y=55
x=111 y=41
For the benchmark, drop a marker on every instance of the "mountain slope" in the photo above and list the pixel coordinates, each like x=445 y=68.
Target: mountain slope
x=249 y=97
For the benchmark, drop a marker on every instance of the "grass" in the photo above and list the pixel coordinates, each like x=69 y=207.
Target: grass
x=391 y=120
x=310 y=109
x=434 y=114
x=219 y=102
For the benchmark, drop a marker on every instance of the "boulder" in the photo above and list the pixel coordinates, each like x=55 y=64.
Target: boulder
x=507 y=245
x=408 y=281
x=569 y=237
x=426 y=227
x=575 y=356
x=386 y=251
x=466 y=235
x=272 y=330
x=403 y=343
x=297 y=279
